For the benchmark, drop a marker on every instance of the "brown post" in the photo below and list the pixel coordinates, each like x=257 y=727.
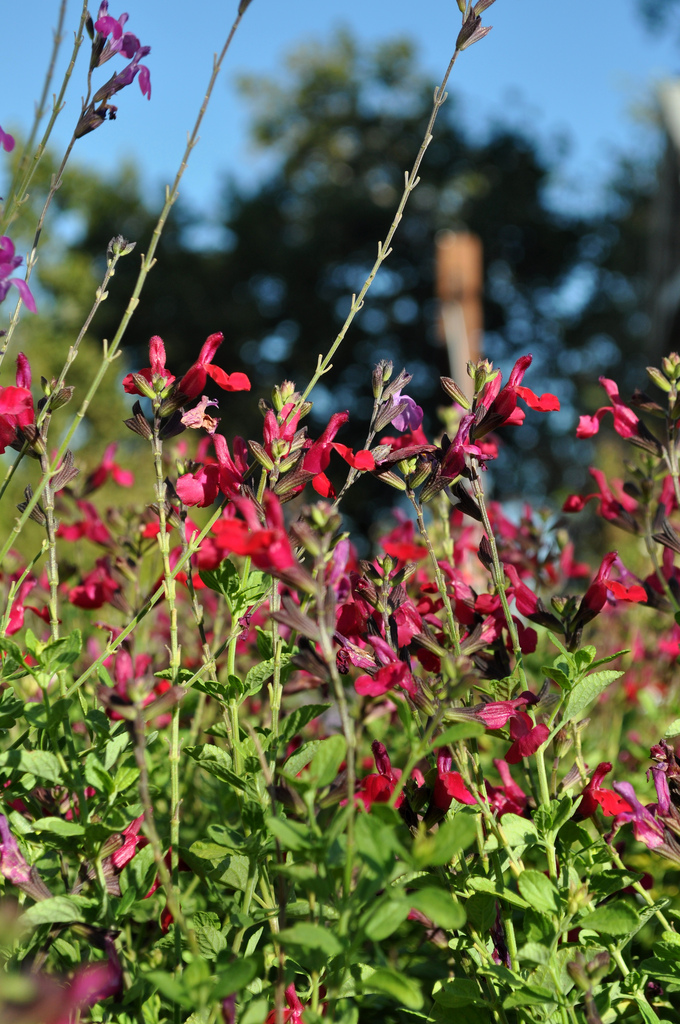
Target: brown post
x=459 y=274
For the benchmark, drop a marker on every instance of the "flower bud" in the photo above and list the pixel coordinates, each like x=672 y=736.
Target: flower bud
x=261 y=455
x=61 y=397
x=119 y=246
x=423 y=470
x=657 y=377
x=143 y=385
x=454 y=392
x=393 y=480
x=671 y=365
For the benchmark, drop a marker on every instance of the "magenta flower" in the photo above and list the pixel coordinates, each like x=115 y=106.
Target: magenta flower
x=8 y=263
x=6 y=141
x=121 y=42
x=157 y=376
x=16 y=404
x=392 y=672
x=449 y=785
x=15 y=868
x=626 y=423
x=614 y=504
x=461 y=449
x=646 y=826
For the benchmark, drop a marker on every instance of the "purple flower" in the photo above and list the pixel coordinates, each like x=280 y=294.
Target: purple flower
x=646 y=826
x=94 y=115
x=9 y=262
x=6 y=141
x=409 y=418
x=122 y=42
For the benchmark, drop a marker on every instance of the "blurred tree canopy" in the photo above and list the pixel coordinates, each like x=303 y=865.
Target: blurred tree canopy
x=342 y=124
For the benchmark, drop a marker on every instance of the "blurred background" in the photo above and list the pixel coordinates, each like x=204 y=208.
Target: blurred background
x=546 y=221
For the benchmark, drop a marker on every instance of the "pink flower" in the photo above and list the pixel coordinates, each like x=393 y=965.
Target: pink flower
x=193 y=382
x=16 y=403
x=198 y=418
x=626 y=423
x=90 y=526
x=614 y=504
x=106 y=469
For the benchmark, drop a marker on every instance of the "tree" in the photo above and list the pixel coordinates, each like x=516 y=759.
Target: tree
x=344 y=123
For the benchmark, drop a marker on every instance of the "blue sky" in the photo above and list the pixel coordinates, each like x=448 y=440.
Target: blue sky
x=580 y=69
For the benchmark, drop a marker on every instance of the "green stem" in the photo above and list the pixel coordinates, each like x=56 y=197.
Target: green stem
x=384 y=248
x=452 y=625
x=148 y=261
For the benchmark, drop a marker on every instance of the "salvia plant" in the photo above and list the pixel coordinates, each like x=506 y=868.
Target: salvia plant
x=248 y=776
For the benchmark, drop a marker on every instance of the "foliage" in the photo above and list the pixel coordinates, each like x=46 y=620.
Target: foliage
x=204 y=699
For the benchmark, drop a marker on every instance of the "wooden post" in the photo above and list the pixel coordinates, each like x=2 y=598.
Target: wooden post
x=459 y=275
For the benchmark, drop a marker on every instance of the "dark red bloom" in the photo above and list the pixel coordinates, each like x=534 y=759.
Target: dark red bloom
x=501 y=406
x=527 y=737
x=193 y=382
x=449 y=785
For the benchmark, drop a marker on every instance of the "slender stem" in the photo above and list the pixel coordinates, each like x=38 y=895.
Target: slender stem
x=17 y=192
x=498 y=575
x=454 y=631
x=148 y=261
x=384 y=248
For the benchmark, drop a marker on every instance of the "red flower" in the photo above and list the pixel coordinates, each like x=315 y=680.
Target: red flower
x=154 y=374
x=108 y=468
x=449 y=785
x=527 y=736
x=294 y=1011
x=391 y=673
x=97 y=588
x=90 y=526
x=318 y=456
x=226 y=475
x=501 y=406
x=509 y=798
x=594 y=796
x=626 y=423
x=378 y=788
x=192 y=383
x=16 y=404
x=268 y=546
x=614 y=504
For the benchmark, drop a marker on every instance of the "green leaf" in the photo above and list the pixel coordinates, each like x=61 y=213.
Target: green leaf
x=327 y=760
x=529 y=995
x=59 y=826
x=458 y=992
x=538 y=891
x=588 y=690
x=673 y=729
x=59 y=654
x=298 y=719
x=519 y=832
x=292 y=835
x=236 y=977
x=613 y=919
x=460 y=731
x=170 y=987
x=209 y=851
x=300 y=758
x=209 y=936
x=55 y=910
x=438 y=905
x=383 y=917
x=402 y=989
x=557 y=676
x=41 y=763
x=451 y=837
x=125 y=777
x=312 y=937
x=217 y=762
x=481 y=884
x=258 y=676
x=536 y=952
